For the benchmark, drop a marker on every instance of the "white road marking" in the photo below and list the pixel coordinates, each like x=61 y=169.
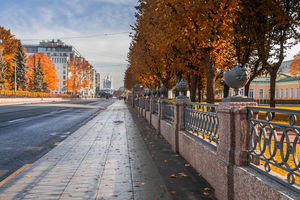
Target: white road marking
x=15 y=120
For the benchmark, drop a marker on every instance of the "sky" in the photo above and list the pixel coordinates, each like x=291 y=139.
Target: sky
x=98 y=29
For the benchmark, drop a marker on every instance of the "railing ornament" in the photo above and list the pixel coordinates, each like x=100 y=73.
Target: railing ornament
x=181 y=86
x=163 y=91
x=237 y=78
x=153 y=92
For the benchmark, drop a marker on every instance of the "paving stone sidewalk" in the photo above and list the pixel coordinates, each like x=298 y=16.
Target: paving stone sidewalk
x=105 y=159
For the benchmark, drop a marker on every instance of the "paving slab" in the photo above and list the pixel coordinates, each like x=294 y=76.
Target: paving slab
x=107 y=158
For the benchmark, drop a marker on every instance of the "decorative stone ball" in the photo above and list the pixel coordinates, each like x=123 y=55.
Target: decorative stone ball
x=154 y=92
x=237 y=77
x=145 y=92
x=163 y=90
x=181 y=86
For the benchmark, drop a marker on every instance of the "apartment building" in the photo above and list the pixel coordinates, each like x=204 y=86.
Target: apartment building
x=59 y=53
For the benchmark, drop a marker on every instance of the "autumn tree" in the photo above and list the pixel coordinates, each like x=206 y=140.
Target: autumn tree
x=48 y=69
x=22 y=80
x=9 y=46
x=79 y=78
x=295 y=66
x=3 y=68
x=279 y=24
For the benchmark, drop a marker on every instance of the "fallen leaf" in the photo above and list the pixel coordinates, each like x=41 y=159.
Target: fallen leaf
x=182 y=174
x=28 y=176
x=172 y=176
x=187 y=165
x=165 y=161
x=177 y=155
x=70 y=195
x=142 y=183
x=173 y=192
x=88 y=191
x=206 y=193
x=155 y=199
x=207 y=189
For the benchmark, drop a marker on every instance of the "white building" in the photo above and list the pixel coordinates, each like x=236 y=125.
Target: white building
x=59 y=53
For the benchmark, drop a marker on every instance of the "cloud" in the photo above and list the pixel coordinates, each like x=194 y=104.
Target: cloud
x=53 y=19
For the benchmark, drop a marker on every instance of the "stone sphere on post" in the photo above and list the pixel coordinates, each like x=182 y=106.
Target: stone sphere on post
x=163 y=90
x=237 y=78
x=153 y=92
x=181 y=87
x=145 y=92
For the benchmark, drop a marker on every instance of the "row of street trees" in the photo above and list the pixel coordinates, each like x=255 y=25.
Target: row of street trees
x=35 y=73
x=198 y=39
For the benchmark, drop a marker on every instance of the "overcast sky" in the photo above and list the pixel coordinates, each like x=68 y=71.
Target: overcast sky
x=103 y=28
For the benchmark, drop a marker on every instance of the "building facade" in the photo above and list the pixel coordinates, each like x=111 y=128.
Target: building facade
x=59 y=53
x=287 y=85
x=97 y=83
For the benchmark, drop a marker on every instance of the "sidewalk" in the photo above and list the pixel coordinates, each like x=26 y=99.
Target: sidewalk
x=109 y=158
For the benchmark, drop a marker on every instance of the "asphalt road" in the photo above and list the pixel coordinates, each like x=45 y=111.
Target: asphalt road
x=27 y=132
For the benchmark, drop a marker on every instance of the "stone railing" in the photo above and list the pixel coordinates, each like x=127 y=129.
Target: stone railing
x=230 y=146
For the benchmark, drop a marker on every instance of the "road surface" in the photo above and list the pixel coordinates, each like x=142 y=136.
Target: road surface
x=29 y=131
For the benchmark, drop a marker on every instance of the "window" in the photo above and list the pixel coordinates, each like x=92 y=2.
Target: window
x=261 y=93
x=230 y=92
x=242 y=92
x=64 y=72
x=291 y=93
x=64 y=77
x=276 y=93
x=269 y=93
x=251 y=93
x=286 y=93
x=297 y=92
x=281 y=93
x=48 y=54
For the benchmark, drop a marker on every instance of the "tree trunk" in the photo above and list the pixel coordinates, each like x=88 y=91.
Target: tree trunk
x=247 y=88
x=193 y=87
x=272 y=88
x=199 y=94
x=211 y=77
x=226 y=90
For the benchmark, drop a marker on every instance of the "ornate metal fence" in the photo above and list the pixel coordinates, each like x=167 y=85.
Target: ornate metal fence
x=202 y=121
x=168 y=111
x=274 y=143
x=155 y=107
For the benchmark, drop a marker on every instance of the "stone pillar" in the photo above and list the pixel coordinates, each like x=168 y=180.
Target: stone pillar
x=233 y=126
x=151 y=109
x=232 y=147
x=145 y=106
x=160 y=103
x=178 y=120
